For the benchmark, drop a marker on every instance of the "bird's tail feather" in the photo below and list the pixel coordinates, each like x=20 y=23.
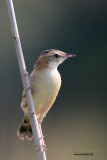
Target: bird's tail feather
x=25 y=130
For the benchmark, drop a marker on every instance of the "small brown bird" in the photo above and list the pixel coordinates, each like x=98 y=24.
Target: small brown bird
x=45 y=82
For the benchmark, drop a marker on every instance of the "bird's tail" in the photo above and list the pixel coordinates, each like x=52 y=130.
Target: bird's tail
x=25 y=130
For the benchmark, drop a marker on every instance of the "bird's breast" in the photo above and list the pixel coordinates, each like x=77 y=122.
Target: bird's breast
x=46 y=85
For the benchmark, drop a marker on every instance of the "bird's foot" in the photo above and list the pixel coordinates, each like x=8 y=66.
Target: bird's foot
x=43 y=143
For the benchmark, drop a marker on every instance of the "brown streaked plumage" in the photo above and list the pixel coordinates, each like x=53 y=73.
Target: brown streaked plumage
x=45 y=82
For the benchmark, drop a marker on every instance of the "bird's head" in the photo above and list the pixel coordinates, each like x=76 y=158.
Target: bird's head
x=52 y=58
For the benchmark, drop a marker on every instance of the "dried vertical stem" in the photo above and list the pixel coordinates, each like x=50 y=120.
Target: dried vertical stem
x=25 y=80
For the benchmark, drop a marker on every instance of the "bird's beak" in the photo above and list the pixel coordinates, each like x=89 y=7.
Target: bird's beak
x=71 y=55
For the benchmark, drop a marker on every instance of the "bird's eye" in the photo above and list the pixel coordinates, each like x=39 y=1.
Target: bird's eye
x=56 y=55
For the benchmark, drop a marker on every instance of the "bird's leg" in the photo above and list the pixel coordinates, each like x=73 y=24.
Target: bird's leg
x=42 y=137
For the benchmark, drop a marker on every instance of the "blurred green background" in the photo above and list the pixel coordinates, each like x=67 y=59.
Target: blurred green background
x=77 y=121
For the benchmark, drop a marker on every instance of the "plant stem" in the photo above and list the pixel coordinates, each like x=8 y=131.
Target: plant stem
x=26 y=84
